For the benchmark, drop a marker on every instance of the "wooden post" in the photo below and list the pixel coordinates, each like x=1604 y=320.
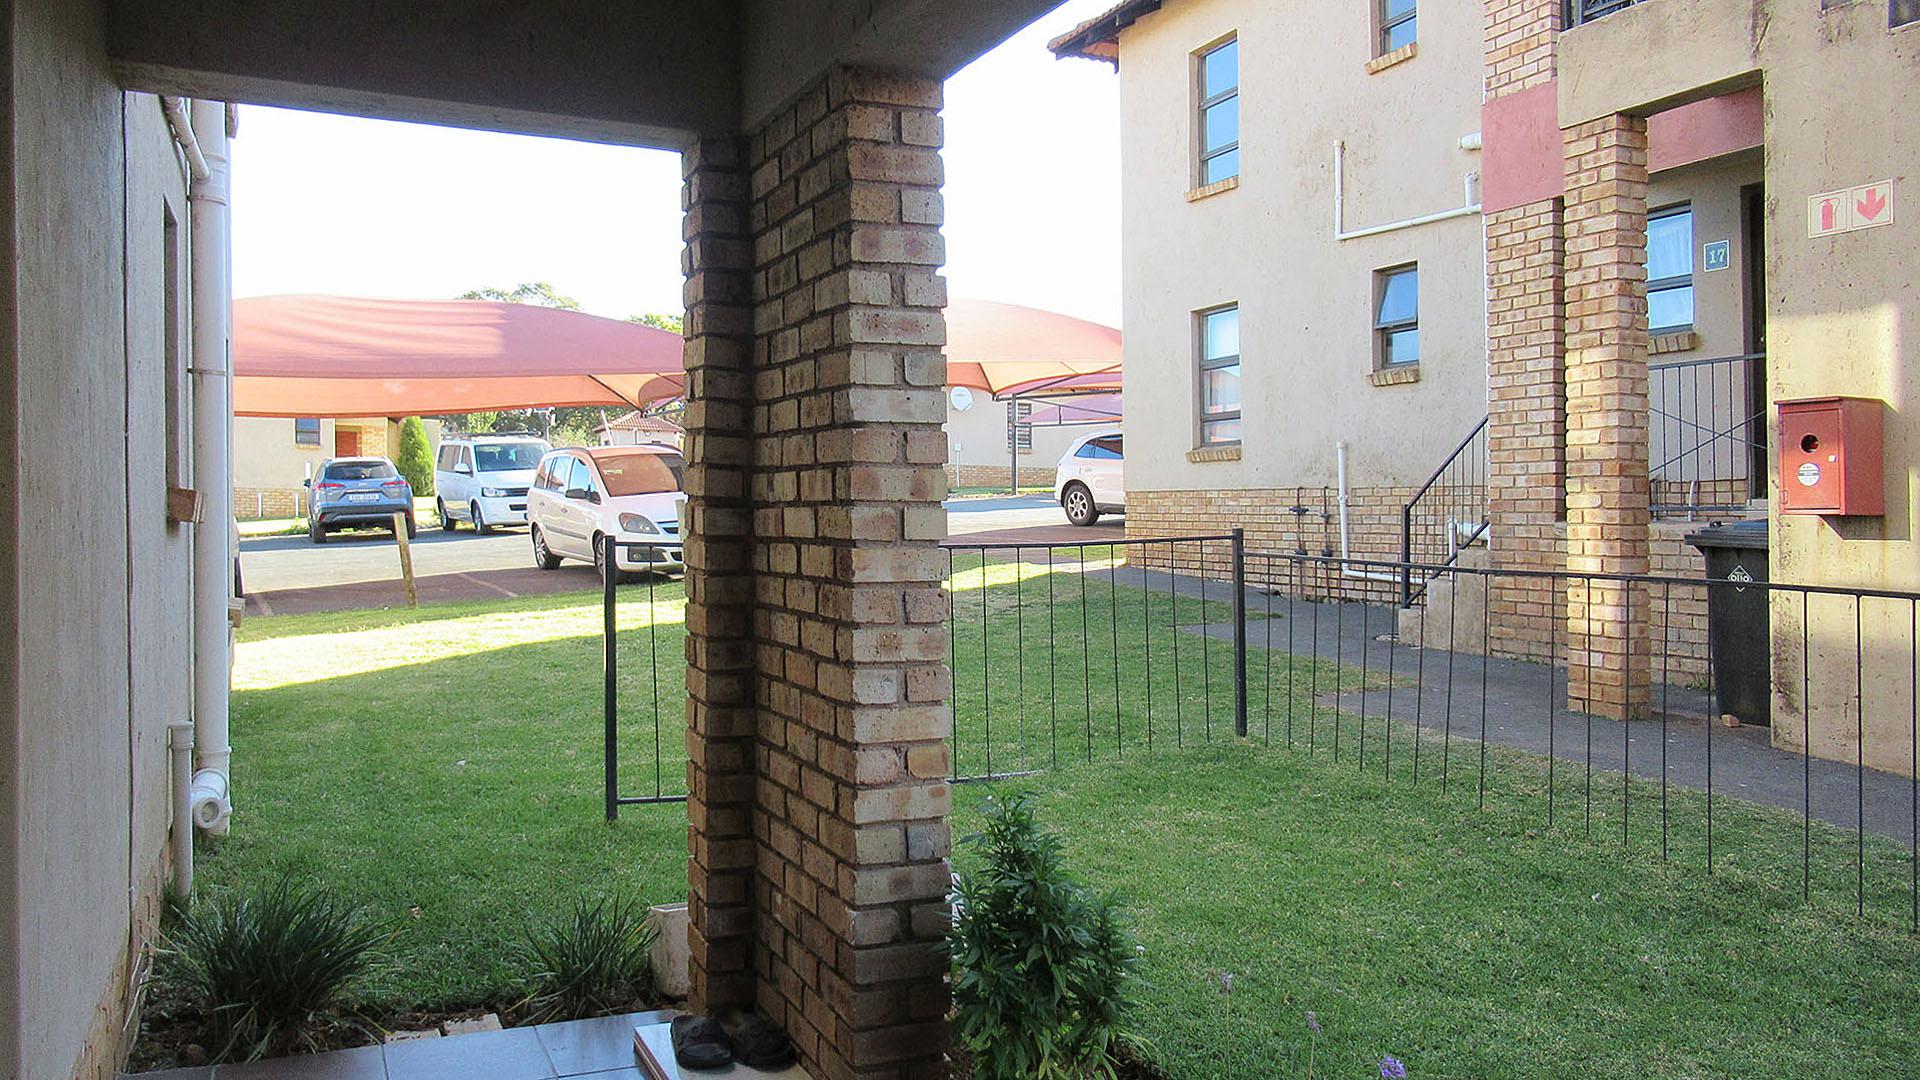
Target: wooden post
x=406 y=557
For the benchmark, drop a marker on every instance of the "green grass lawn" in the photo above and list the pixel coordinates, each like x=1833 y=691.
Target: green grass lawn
x=443 y=766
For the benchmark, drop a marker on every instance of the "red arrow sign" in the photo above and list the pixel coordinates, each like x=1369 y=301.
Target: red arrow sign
x=1871 y=204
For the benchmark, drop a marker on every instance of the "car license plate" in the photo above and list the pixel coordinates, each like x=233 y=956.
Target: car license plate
x=362 y=496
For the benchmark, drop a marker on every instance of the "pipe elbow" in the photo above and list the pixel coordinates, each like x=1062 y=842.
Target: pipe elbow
x=210 y=803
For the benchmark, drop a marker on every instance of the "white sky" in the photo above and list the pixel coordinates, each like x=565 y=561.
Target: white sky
x=332 y=204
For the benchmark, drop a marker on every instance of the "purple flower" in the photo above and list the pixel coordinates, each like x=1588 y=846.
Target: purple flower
x=1313 y=1021
x=1392 y=1069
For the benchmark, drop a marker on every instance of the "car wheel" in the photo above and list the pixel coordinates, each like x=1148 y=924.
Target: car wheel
x=446 y=519
x=1078 y=503
x=542 y=558
x=480 y=521
x=315 y=533
x=621 y=577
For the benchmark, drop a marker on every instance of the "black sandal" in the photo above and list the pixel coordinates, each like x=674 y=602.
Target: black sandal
x=760 y=1045
x=701 y=1043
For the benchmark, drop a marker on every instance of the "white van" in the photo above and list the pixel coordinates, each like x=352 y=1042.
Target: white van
x=483 y=479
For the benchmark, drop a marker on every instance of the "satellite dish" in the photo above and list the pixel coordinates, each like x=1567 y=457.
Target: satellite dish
x=962 y=398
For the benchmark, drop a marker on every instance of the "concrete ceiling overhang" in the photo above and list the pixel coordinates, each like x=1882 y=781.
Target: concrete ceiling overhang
x=643 y=72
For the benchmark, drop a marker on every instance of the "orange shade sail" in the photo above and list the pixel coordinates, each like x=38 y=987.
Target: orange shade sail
x=354 y=356
x=1006 y=348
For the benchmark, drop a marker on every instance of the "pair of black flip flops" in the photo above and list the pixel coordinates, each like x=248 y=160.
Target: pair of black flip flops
x=701 y=1042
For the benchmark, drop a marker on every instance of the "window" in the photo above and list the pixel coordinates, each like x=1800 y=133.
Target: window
x=1670 y=269
x=1220 y=113
x=640 y=472
x=360 y=470
x=444 y=462
x=1396 y=316
x=1396 y=25
x=1220 y=376
x=306 y=431
x=1104 y=448
x=508 y=457
x=1902 y=12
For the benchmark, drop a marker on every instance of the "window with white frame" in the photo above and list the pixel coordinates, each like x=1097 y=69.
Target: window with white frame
x=1219 y=118
x=1396 y=316
x=1398 y=27
x=1219 y=364
x=1670 y=269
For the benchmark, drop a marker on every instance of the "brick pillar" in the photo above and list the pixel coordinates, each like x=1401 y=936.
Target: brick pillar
x=1526 y=382
x=720 y=715
x=850 y=678
x=1608 y=515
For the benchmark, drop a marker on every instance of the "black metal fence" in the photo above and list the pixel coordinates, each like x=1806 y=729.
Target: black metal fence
x=1504 y=686
x=1707 y=434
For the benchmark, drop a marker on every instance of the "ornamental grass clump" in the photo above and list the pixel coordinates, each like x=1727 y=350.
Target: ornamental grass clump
x=1042 y=967
x=266 y=966
x=595 y=959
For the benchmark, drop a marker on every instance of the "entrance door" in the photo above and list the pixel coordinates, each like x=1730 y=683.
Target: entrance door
x=346 y=442
x=1753 y=214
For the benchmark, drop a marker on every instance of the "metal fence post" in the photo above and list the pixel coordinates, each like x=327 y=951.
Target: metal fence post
x=609 y=669
x=1406 y=556
x=1240 y=632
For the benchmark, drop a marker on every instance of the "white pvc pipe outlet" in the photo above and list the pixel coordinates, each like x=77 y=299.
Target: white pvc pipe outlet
x=212 y=449
x=1470 y=200
x=1346 y=550
x=180 y=747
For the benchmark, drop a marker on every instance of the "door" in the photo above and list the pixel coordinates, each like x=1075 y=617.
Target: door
x=346 y=442
x=571 y=530
x=1753 y=214
x=1103 y=474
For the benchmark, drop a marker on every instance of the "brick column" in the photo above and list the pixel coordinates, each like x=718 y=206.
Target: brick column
x=850 y=677
x=720 y=716
x=1608 y=515
x=1526 y=379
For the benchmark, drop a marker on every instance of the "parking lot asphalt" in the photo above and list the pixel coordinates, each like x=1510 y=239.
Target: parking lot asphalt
x=288 y=574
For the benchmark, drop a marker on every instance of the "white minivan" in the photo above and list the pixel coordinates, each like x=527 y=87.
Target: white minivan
x=1089 y=480
x=582 y=496
x=483 y=479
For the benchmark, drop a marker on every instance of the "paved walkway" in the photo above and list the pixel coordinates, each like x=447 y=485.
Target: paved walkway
x=601 y=1048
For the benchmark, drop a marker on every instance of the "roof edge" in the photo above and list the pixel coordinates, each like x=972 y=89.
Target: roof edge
x=1099 y=37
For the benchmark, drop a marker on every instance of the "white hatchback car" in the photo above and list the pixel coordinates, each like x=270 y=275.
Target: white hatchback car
x=631 y=493
x=483 y=479
x=1088 y=481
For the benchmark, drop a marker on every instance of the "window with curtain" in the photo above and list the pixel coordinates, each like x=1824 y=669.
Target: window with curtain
x=1220 y=112
x=1670 y=269
x=1396 y=318
x=1220 y=376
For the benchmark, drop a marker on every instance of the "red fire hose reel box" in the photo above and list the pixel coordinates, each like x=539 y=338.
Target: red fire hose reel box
x=1830 y=456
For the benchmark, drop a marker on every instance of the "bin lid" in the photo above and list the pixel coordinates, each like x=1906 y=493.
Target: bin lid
x=1751 y=535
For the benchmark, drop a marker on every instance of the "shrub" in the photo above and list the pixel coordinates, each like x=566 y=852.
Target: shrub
x=1042 y=966
x=594 y=960
x=415 y=458
x=263 y=965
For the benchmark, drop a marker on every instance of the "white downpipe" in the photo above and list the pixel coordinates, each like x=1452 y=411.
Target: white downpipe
x=1470 y=201
x=1346 y=551
x=180 y=745
x=176 y=112
x=212 y=447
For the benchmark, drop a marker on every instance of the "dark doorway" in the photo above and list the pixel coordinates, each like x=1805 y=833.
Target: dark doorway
x=1753 y=225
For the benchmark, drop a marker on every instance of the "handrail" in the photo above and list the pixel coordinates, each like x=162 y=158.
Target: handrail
x=1447 y=466
x=1448 y=463
x=1585 y=11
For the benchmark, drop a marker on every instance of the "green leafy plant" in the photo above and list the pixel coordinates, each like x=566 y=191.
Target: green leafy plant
x=264 y=965
x=1043 y=967
x=415 y=459
x=594 y=959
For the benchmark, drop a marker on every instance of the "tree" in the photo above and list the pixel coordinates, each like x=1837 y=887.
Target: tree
x=534 y=293
x=415 y=459
x=669 y=323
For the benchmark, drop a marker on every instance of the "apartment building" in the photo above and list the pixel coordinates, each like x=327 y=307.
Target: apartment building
x=1561 y=259
x=274 y=456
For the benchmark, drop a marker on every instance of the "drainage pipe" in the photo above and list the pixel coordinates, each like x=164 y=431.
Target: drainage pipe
x=212 y=435
x=180 y=745
x=176 y=113
x=1346 y=552
x=1470 y=201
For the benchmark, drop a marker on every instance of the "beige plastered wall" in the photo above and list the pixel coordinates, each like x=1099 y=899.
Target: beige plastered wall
x=1843 y=312
x=978 y=437
x=97 y=658
x=1306 y=299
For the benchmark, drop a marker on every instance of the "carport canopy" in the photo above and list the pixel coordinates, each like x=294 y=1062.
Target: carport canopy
x=1008 y=350
x=346 y=356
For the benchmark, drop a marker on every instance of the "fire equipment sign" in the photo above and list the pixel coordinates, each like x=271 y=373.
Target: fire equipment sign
x=1850 y=209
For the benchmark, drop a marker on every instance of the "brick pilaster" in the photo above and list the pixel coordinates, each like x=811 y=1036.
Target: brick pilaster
x=1608 y=515
x=1526 y=384
x=717 y=262
x=849 y=645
